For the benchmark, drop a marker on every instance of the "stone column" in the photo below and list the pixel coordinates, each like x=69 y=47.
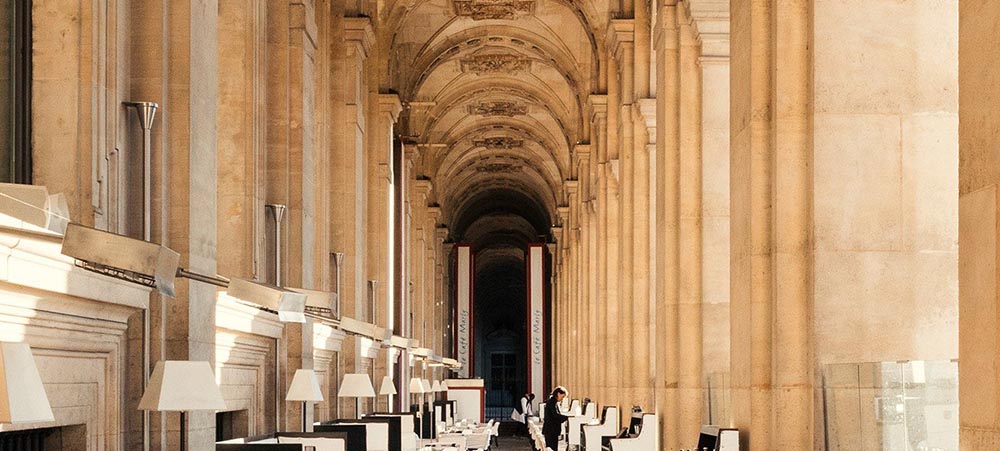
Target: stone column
x=588 y=361
x=620 y=43
x=599 y=119
x=713 y=32
x=771 y=188
x=178 y=70
x=382 y=211
x=667 y=220
x=690 y=399
x=554 y=324
x=979 y=227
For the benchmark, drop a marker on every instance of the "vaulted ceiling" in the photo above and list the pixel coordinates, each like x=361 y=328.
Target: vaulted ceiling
x=495 y=94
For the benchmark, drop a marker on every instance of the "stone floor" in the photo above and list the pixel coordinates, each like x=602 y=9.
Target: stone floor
x=511 y=443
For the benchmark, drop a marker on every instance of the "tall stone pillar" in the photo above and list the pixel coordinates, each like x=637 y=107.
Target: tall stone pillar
x=979 y=227
x=382 y=215
x=621 y=44
x=690 y=396
x=598 y=117
x=588 y=361
x=667 y=220
x=178 y=70
x=771 y=188
x=350 y=179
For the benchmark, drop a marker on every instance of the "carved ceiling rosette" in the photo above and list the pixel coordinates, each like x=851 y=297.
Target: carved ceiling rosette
x=498 y=142
x=495 y=63
x=498 y=108
x=493 y=9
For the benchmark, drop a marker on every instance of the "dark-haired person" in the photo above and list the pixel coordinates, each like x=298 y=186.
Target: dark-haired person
x=554 y=419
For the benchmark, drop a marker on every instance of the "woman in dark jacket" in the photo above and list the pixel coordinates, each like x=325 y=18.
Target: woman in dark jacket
x=553 y=419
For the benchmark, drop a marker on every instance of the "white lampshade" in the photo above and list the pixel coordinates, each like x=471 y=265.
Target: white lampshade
x=427 y=386
x=416 y=386
x=182 y=386
x=356 y=385
x=387 y=388
x=444 y=385
x=22 y=396
x=436 y=387
x=305 y=387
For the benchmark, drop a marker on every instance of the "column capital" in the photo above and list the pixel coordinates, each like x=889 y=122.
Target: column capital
x=423 y=187
x=581 y=152
x=646 y=109
x=434 y=213
x=359 y=31
x=572 y=187
x=621 y=36
x=598 y=104
x=390 y=104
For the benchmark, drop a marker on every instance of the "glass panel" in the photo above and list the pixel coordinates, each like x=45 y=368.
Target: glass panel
x=906 y=406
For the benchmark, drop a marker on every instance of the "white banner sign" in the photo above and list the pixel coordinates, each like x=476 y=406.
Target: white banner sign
x=463 y=317
x=536 y=319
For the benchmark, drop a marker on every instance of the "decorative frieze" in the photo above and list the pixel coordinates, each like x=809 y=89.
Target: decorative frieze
x=493 y=9
x=498 y=142
x=498 y=108
x=496 y=63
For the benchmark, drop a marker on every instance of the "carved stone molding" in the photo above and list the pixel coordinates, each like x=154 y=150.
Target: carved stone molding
x=499 y=168
x=498 y=108
x=496 y=63
x=498 y=142
x=493 y=9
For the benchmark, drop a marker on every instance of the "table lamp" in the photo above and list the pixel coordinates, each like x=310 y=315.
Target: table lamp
x=22 y=395
x=356 y=385
x=436 y=388
x=305 y=388
x=388 y=389
x=417 y=388
x=182 y=386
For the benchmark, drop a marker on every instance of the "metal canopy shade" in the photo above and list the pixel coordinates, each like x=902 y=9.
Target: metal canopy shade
x=364 y=329
x=290 y=305
x=22 y=395
x=32 y=204
x=122 y=257
x=182 y=386
x=325 y=300
x=399 y=342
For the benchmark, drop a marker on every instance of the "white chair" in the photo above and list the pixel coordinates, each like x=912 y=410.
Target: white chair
x=647 y=440
x=608 y=427
x=576 y=423
x=575 y=407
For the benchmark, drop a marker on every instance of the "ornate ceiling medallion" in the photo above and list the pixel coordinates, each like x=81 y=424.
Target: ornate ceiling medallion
x=495 y=63
x=494 y=9
x=498 y=108
x=498 y=142
x=502 y=168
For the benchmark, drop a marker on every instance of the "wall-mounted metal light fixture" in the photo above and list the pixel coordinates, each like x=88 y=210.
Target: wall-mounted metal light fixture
x=290 y=305
x=121 y=257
